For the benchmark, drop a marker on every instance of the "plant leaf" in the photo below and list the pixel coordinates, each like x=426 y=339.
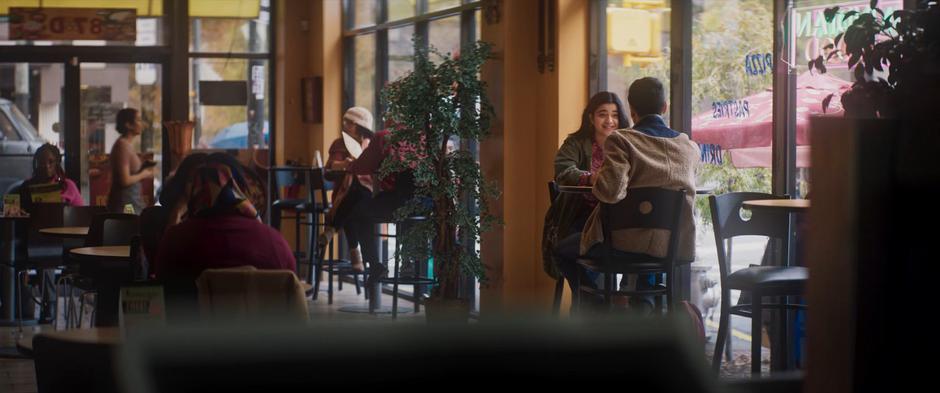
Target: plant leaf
x=854 y=59
x=826 y=101
x=848 y=15
x=830 y=13
x=832 y=54
x=829 y=46
x=839 y=37
x=820 y=64
x=873 y=4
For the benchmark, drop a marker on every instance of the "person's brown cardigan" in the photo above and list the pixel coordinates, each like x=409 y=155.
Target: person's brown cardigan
x=633 y=159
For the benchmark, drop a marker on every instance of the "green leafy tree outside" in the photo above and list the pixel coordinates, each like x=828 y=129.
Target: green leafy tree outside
x=724 y=32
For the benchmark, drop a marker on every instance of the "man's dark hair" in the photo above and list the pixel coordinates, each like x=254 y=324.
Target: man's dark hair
x=647 y=96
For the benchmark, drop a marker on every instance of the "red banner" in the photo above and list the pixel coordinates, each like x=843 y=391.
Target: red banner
x=54 y=24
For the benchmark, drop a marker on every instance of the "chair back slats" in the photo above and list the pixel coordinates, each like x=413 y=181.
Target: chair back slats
x=153 y=221
x=44 y=215
x=316 y=189
x=80 y=216
x=645 y=208
x=728 y=222
x=286 y=181
x=112 y=229
x=245 y=292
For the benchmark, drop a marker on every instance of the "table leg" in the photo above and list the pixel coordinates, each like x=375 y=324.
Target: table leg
x=7 y=274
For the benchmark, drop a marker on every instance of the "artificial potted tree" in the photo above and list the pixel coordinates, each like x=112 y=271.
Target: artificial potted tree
x=868 y=252
x=430 y=110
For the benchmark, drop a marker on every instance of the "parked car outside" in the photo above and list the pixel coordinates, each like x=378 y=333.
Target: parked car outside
x=18 y=141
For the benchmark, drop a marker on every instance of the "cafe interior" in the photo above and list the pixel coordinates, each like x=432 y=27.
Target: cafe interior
x=261 y=195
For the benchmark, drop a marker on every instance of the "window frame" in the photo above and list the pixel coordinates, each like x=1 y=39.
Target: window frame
x=173 y=56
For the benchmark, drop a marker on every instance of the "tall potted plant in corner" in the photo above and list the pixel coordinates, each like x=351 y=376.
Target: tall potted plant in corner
x=436 y=104
x=870 y=173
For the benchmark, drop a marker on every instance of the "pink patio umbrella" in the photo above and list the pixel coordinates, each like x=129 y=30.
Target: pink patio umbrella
x=748 y=137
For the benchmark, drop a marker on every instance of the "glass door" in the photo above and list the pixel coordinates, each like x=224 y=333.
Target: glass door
x=30 y=115
x=106 y=89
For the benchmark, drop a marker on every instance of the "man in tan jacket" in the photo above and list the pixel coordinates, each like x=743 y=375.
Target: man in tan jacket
x=648 y=155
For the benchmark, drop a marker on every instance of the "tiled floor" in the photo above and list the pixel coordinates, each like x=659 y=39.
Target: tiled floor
x=18 y=376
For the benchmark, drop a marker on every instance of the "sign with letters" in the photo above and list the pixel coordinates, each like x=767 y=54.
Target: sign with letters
x=109 y=24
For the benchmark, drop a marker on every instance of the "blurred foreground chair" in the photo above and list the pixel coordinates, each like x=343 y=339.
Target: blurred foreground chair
x=652 y=355
x=73 y=366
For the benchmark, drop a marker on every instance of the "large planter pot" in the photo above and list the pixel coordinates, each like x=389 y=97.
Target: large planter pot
x=874 y=192
x=447 y=311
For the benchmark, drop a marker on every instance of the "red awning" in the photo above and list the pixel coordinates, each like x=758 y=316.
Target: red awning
x=755 y=131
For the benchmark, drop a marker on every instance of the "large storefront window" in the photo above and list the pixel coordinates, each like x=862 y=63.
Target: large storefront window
x=30 y=115
x=223 y=125
x=221 y=121
x=365 y=72
x=106 y=89
x=223 y=35
x=88 y=62
x=401 y=9
x=400 y=52
x=364 y=12
x=732 y=98
x=378 y=55
x=732 y=107
x=444 y=34
x=637 y=43
x=810 y=36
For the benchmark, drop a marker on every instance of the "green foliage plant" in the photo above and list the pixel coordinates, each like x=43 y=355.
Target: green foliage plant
x=435 y=103
x=906 y=44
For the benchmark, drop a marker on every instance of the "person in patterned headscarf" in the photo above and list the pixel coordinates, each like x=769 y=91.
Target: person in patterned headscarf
x=220 y=227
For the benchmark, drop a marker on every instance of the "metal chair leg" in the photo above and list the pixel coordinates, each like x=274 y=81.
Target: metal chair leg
x=329 y=285
x=94 y=311
x=724 y=319
x=559 y=289
x=756 y=334
x=18 y=303
x=576 y=293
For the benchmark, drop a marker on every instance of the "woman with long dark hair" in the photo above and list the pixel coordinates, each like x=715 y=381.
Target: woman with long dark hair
x=576 y=164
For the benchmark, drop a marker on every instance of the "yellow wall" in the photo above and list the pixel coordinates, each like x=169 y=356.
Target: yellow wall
x=533 y=114
x=309 y=43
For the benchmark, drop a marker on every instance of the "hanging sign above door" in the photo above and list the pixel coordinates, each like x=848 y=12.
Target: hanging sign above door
x=56 y=24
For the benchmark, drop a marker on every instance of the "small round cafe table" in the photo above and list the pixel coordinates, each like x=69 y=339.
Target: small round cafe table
x=65 y=232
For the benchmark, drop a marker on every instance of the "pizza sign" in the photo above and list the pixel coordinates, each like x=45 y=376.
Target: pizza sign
x=109 y=24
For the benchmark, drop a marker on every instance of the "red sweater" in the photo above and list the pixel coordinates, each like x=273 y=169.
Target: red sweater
x=371 y=159
x=219 y=242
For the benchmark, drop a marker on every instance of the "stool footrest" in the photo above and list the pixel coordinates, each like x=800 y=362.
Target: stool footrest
x=408 y=280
